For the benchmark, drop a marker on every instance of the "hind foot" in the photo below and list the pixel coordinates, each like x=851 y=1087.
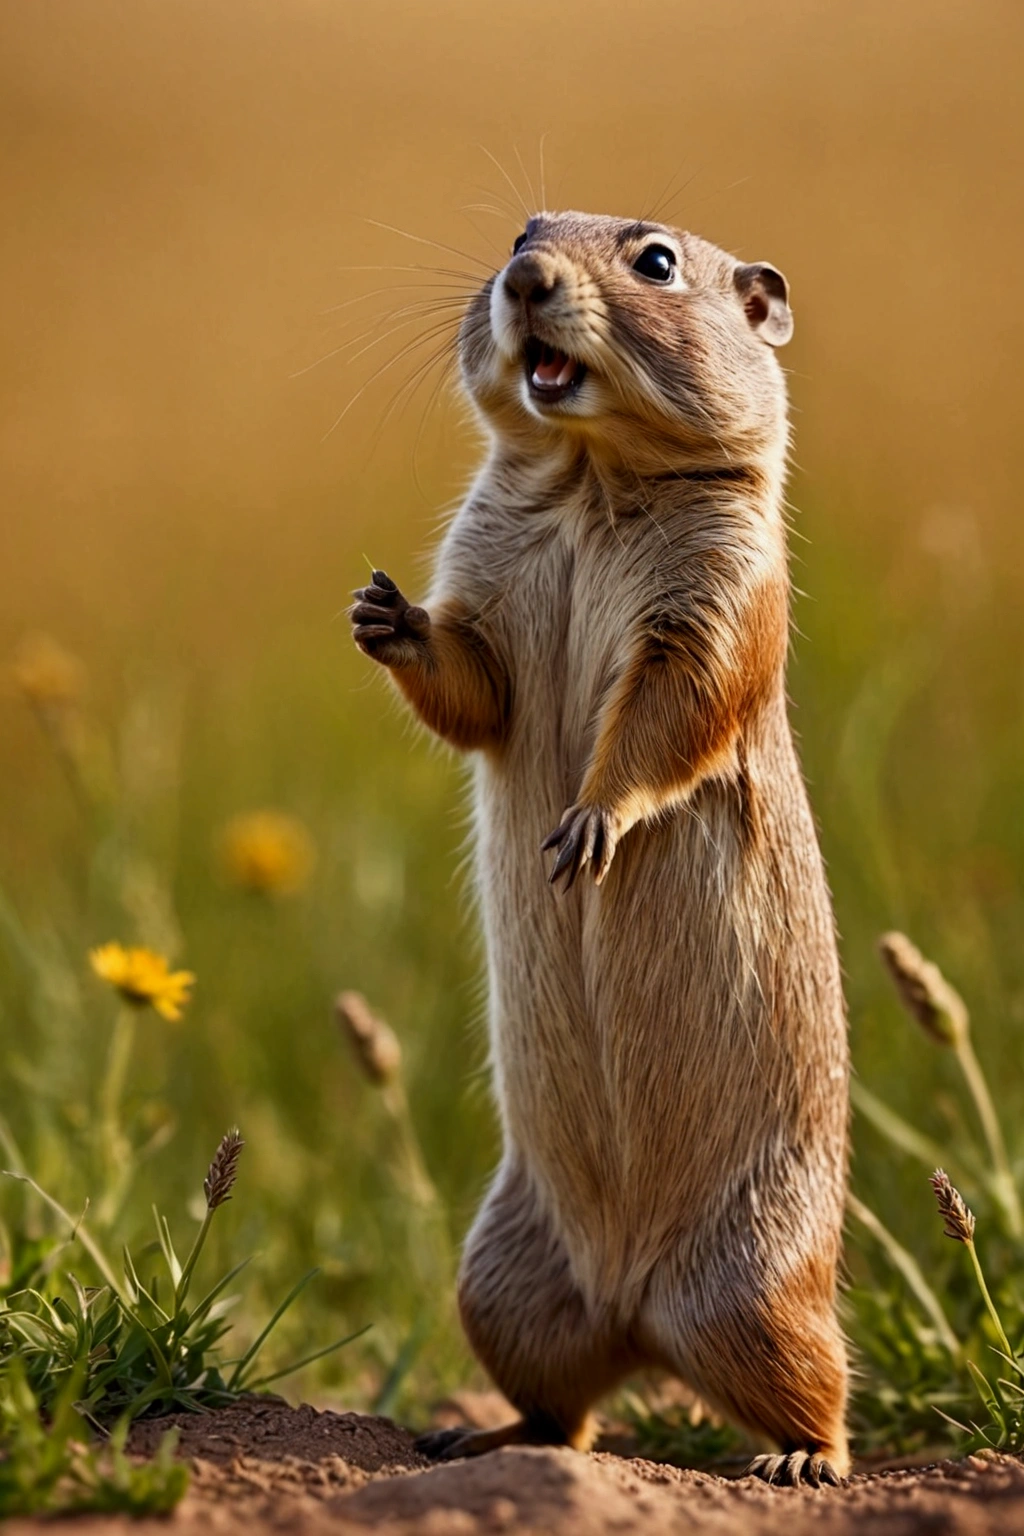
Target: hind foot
x=800 y=1469
x=442 y=1444
x=449 y=1444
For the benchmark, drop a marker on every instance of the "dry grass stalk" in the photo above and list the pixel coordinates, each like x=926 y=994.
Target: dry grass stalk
x=374 y=1042
x=924 y=991
x=942 y=1014
x=379 y=1055
x=957 y=1220
x=223 y=1171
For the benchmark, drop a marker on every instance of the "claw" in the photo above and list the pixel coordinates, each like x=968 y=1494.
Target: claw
x=383 y=580
x=584 y=836
x=554 y=838
x=567 y=856
x=792 y=1472
x=798 y=1469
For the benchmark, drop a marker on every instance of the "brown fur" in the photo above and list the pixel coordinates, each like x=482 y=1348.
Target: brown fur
x=608 y=628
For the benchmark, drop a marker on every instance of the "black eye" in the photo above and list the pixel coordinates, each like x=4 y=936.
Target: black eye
x=519 y=242
x=656 y=262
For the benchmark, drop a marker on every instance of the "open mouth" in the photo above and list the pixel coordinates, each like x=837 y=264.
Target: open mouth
x=550 y=374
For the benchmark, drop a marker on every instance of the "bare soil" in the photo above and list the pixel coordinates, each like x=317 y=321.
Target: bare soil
x=261 y=1465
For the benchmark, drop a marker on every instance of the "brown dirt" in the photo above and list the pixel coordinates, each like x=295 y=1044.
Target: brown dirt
x=262 y=1465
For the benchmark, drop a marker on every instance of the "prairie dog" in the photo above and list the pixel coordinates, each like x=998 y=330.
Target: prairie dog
x=607 y=633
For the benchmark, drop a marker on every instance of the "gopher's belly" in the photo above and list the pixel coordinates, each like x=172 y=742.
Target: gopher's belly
x=638 y=1067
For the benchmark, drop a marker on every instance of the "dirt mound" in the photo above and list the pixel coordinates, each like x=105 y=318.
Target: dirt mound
x=263 y=1465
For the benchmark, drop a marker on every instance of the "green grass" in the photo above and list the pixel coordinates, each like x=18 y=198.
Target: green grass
x=79 y=1361
x=48 y=1465
x=908 y=712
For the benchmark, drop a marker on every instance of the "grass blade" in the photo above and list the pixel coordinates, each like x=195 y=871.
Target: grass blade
x=296 y=1365
x=77 y=1227
x=257 y=1344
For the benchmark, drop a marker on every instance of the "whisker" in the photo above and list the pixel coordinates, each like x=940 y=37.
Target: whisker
x=405 y=317
x=403 y=396
x=540 y=157
x=486 y=238
x=671 y=195
x=438 y=245
x=502 y=171
x=707 y=196
x=376 y=374
x=499 y=197
x=464 y=277
x=498 y=213
x=375 y=293
x=526 y=178
x=443 y=354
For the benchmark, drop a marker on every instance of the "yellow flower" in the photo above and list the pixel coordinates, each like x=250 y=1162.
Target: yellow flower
x=267 y=851
x=143 y=977
x=45 y=674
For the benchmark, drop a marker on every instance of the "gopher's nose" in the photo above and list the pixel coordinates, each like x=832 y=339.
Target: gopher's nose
x=531 y=276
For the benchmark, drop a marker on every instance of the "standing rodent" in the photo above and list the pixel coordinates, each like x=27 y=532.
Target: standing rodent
x=607 y=631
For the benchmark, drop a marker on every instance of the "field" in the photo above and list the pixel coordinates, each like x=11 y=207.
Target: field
x=201 y=459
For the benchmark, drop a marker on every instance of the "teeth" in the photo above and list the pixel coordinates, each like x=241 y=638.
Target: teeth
x=553 y=369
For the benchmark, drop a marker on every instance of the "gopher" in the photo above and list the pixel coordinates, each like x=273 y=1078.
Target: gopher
x=607 y=634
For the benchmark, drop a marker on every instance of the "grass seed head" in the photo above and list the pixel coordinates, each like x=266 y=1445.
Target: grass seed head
x=374 y=1042
x=924 y=991
x=957 y=1220
x=223 y=1171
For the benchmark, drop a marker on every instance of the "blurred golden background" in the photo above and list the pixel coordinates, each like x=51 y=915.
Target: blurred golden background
x=194 y=476
x=185 y=193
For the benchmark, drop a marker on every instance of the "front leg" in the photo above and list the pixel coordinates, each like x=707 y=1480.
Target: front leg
x=673 y=720
x=441 y=662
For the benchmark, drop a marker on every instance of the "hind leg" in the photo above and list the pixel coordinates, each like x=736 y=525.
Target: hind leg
x=529 y=1324
x=764 y=1347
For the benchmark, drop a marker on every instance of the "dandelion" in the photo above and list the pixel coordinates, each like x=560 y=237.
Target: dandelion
x=47 y=676
x=143 y=978
x=268 y=852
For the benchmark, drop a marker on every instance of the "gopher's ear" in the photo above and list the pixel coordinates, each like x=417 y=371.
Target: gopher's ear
x=765 y=295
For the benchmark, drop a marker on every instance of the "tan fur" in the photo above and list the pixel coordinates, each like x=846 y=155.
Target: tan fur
x=608 y=626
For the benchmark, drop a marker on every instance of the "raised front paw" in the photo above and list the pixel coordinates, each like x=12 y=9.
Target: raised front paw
x=384 y=623
x=586 y=834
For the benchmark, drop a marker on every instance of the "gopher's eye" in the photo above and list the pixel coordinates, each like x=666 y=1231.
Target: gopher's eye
x=656 y=262
x=519 y=242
